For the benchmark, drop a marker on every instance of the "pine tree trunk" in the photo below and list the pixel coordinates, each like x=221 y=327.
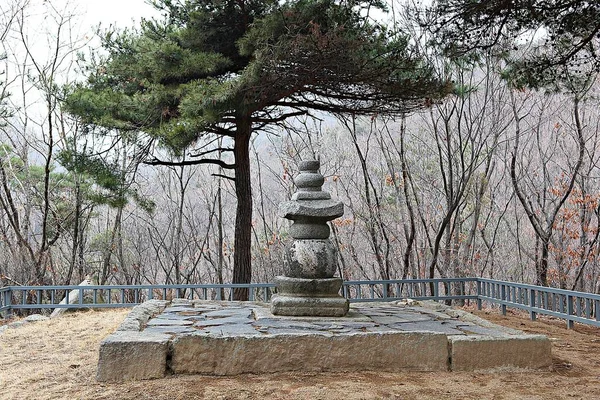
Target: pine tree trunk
x=242 y=268
x=221 y=260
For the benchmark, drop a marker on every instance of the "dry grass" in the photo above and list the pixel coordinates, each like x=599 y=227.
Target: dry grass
x=47 y=358
x=57 y=359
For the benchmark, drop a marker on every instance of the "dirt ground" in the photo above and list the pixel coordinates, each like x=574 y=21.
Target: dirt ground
x=57 y=359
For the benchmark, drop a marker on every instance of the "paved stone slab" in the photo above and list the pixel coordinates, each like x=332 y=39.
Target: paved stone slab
x=170 y=330
x=357 y=326
x=175 y=308
x=472 y=329
x=230 y=331
x=183 y=316
x=168 y=322
x=223 y=321
x=260 y=311
x=234 y=312
x=269 y=323
x=392 y=319
x=428 y=326
x=335 y=327
x=202 y=305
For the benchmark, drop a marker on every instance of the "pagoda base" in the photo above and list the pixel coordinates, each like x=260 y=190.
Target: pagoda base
x=301 y=297
x=309 y=306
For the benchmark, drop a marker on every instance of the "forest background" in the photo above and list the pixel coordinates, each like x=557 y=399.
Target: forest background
x=496 y=180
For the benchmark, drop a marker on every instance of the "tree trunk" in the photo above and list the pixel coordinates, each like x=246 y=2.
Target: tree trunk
x=242 y=267
x=542 y=264
x=220 y=256
x=411 y=228
x=177 y=256
x=75 y=244
x=108 y=252
x=373 y=221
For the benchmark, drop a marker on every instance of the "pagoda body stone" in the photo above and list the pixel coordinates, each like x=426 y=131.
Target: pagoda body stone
x=308 y=287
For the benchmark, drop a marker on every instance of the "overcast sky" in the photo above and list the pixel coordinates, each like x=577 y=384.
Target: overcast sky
x=40 y=31
x=87 y=15
x=119 y=12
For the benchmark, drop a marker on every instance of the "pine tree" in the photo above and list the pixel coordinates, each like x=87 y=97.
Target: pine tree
x=231 y=68
x=547 y=43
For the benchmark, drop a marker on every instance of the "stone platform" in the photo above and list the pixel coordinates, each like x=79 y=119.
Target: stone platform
x=229 y=338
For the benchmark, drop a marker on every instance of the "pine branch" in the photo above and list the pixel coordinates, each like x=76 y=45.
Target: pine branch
x=220 y=163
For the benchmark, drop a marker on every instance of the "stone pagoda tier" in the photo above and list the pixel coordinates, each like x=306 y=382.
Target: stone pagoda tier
x=309 y=287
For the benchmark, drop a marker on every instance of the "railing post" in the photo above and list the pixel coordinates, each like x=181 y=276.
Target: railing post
x=503 y=298
x=588 y=306
x=532 y=314
x=8 y=303
x=570 y=322
x=479 y=301
x=436 y=290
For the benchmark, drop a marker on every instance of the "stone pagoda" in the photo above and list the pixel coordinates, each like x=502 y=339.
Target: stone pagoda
x=309 y=287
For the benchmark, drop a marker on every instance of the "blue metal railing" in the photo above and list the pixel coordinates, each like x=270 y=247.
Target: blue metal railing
x=416 y=289
x=566 y=304
x=115 y=296
x=569 y=305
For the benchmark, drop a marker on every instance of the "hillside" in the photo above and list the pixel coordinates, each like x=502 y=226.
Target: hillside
x=57 y=359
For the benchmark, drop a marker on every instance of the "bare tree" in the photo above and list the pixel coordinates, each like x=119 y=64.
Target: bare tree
x=542 y=195
x=34 y=132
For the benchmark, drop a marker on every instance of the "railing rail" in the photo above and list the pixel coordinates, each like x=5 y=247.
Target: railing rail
x=115 y=296
x=569 y=305
x=416 y=289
